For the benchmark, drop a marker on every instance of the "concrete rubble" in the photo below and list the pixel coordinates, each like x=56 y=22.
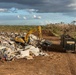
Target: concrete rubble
x=10 y=50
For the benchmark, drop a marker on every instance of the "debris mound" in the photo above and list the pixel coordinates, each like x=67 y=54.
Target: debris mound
x=10 y=49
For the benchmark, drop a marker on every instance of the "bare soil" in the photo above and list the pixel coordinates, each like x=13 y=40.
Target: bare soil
x=57 y=63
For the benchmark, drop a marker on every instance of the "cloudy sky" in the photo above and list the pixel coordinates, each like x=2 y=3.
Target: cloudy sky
x=33 y=12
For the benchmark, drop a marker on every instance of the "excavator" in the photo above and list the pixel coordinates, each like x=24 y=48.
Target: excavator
x=25 y=39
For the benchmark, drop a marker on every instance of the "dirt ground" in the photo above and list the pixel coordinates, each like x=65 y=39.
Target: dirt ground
x=57 y=63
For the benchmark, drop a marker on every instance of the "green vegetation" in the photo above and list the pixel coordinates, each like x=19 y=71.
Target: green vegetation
x=55 y=29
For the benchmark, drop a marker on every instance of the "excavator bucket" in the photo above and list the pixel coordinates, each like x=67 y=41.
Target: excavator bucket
x=18 y=39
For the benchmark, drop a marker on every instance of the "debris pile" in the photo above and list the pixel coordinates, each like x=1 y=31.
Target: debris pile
x=10 y=50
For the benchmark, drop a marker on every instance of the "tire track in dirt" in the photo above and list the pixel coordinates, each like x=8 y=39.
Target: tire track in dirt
x=61 y=64
x=71 y=58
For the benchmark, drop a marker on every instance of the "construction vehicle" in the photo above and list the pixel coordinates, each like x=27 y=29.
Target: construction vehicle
x=68 y=43
x=25 y=39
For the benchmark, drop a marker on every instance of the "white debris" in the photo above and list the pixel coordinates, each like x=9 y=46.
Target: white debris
x=2 y=47
x=6 y=53
x=33 y=37
x=9 y=54
x=35 y=51
x=24 y=53
x=10 y=50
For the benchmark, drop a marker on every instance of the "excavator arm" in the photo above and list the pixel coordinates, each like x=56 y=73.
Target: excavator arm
x=40 y=32
x=32 y=31
x=26 y=38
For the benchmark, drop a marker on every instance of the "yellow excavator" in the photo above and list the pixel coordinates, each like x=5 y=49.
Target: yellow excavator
x=25 y=39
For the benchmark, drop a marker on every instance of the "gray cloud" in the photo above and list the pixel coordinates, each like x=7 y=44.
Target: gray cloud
x=10 y=5
x=41 y=5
